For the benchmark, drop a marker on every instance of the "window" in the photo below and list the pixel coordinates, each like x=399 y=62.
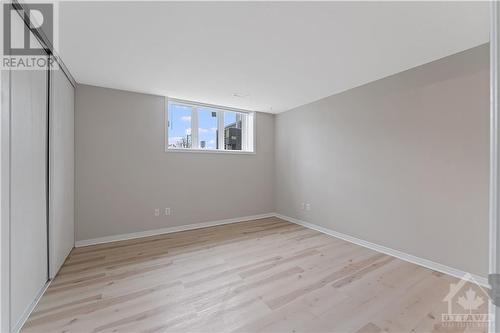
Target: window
x=200 y=127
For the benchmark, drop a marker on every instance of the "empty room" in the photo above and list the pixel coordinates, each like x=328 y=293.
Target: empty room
x=249 y=166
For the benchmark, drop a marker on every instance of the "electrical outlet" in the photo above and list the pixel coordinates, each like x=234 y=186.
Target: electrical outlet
x=308 y=206
x=157 y=211
x=168 y=212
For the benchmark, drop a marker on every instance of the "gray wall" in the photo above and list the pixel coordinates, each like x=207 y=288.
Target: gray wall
x=123 y=172
x=401 y=162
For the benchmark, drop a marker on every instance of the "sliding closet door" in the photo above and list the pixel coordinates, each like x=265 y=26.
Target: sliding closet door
x=61 y=153
x=29 y=253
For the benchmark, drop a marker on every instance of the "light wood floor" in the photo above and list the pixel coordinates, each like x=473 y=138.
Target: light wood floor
x=266 y=275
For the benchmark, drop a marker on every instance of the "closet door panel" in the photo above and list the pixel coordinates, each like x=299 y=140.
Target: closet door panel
x=61 y=215
x=29 y=260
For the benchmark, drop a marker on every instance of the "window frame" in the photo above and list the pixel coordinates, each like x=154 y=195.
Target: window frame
x=220 y=124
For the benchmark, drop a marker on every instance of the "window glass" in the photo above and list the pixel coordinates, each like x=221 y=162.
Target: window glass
x=233 y=132
x=179 y=126
x=207 y=128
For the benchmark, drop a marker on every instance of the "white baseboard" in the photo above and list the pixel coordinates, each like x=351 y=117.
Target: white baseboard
x=395 y=253
x=26 y=314
x=154 y=232
x=483 y=281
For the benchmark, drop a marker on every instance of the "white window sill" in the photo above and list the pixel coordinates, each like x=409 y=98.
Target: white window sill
x=209 y=151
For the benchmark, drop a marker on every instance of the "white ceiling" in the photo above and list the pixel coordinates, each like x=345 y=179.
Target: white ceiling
x=275 y=55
